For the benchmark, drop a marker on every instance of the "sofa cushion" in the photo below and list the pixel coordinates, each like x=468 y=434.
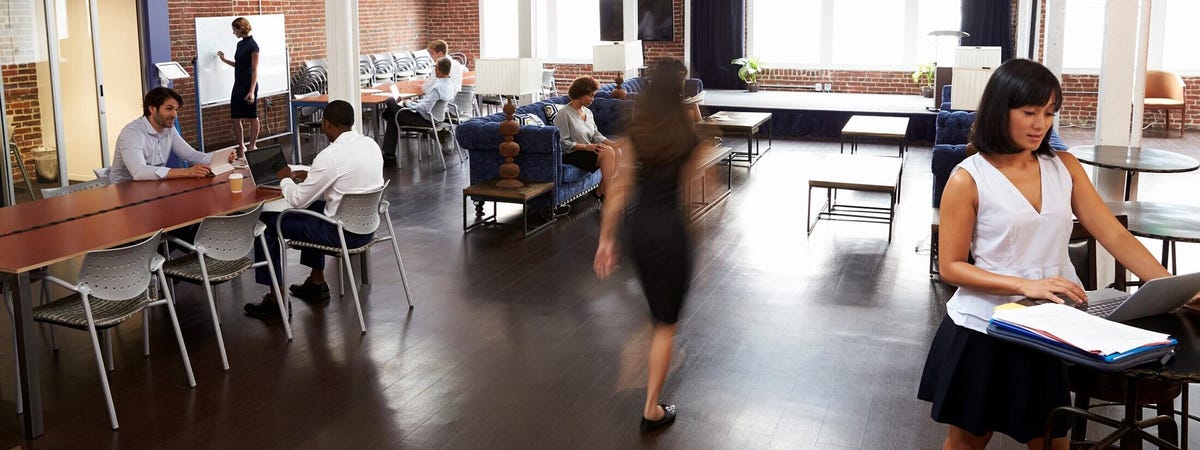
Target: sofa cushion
x=570 y=174
x=528 y=119
x=550 y=111
x=953 y=127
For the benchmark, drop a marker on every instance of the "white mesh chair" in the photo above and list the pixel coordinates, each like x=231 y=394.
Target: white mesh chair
x=437 y=123
x=72 y=188
x=464 y=105
x=406 y=66
x=385 y=67
x=549 y=87
x=424 y=67
x=113 y=287
x=223 y=251
x=366 y=71
x=460 y=57
x=454 y=118
x=356 y=213
x=101 y=174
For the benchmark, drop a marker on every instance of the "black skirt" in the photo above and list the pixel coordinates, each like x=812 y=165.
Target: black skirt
x=584 y=159
x=239 y=108
x=981 y=384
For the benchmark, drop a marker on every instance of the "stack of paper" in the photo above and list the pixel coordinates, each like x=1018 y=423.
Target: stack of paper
x=1065 y=325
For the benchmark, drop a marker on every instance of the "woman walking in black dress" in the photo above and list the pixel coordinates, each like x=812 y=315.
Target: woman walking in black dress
x=658 y=157
x=243 y=102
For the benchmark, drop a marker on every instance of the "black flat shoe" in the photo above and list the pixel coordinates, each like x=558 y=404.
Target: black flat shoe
x=667 y=419
x=309 y=290
x=265 y=309
x=598 y=197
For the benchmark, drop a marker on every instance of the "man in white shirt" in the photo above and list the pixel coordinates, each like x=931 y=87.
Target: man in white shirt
x=145 y=144
x=418 y=113
x=351 y=164
x=437 y=50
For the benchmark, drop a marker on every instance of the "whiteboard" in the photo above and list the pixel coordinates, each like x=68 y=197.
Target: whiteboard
x=215 y=79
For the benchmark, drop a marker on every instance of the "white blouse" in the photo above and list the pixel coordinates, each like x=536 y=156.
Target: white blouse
x=1011 y=238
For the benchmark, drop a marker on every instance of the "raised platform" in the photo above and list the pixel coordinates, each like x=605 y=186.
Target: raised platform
x=822 y=114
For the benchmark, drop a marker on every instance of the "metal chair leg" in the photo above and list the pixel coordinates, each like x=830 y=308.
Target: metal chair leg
x=212 y=306
x=187 y=362
x=399 y=263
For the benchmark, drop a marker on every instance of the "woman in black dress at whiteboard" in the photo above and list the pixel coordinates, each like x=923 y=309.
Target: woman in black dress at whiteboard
x=661 y=144
x=243 y=103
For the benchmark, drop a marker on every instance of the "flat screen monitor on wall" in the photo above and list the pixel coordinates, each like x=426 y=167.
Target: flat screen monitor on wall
x=612 y=20
x=655 y=20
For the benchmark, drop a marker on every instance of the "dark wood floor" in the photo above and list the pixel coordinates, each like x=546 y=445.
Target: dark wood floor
x=787 y=341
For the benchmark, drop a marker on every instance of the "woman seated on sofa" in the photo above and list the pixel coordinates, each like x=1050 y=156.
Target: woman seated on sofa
x=583 y=145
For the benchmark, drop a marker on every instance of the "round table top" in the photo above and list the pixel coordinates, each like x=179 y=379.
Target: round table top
x=1136 y=159
x=1169 y=221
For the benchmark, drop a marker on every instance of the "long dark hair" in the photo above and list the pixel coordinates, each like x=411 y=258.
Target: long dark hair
x=659 y=127
x=1016 y=83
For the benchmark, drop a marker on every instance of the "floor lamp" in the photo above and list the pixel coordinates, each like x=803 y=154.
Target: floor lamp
x=621 y=56
x=508 y=77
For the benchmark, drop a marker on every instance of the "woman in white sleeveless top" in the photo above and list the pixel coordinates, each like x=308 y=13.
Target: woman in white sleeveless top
x=1010 y=206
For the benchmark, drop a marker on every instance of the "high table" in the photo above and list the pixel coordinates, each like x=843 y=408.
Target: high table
x=1167 y=221
x=1134 y=159
x=139 y=210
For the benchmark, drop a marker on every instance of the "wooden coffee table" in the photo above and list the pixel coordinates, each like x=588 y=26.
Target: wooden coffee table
x=856 y=173
x=486 y=191
x=732 y=123
x=712 y=183
x=875 y=127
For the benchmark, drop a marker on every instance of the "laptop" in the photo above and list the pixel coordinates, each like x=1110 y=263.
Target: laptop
x=265 y=164
x=220 y=161
x=1161 y=296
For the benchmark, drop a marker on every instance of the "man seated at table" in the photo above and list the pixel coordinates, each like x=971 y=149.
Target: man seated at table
x=145 y=144
x=417 y=113
x=351 y=164
x=437 y=50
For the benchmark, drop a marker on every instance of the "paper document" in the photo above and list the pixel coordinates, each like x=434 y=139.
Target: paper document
x=1072 y=326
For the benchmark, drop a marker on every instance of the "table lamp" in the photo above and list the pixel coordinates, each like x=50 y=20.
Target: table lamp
x=508 y=77
x=973 y=67
x=943 y=60
x=621 y=56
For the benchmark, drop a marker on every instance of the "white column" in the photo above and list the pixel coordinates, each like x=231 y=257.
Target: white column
x=524 y=29
x=1025 y=22
x=1122 y=73
x=341 y=54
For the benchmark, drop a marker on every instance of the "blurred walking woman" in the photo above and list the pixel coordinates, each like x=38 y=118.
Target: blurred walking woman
x=662 y=143
x=243 y=102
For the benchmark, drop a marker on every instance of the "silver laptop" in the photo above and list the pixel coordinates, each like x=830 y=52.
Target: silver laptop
x=1161 y=296
x=265 y=164
x=219 y=163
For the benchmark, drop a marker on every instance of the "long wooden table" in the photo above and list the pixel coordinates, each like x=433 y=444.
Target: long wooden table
x=90 y=220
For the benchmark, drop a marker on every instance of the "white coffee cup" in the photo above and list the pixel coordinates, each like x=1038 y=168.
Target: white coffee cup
x=235 y=182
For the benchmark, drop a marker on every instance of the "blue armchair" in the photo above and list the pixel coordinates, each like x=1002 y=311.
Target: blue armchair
x=541 y=152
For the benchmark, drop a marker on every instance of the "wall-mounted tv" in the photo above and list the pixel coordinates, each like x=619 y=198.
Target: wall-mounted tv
x=656 y=20
x=612 y=20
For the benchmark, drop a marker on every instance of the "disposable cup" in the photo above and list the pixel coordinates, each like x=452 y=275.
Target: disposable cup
x=235 y=182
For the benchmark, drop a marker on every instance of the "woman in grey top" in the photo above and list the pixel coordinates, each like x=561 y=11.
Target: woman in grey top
x=583 y=145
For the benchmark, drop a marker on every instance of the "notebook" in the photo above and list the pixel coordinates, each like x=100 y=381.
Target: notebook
x=220 y=161
x=1160 y=296
x=265 y=164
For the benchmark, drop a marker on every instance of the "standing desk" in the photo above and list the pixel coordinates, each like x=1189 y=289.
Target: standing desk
x=139 y=212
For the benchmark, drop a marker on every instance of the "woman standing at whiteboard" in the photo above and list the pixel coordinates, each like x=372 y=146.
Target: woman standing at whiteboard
x=243 y=103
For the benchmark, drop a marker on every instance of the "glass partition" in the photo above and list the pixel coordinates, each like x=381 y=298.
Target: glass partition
x=28 y=108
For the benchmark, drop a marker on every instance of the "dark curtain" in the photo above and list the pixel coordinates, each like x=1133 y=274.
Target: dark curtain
x=989 y=23
x=718 y=29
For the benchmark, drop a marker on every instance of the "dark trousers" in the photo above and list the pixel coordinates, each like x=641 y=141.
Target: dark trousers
x=406 y=118
x=304 y=228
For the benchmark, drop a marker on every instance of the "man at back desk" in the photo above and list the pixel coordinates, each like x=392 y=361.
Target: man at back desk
x=145 y=144
x=351 y=164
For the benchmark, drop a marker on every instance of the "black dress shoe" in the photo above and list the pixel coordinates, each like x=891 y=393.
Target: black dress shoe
x=598 y=197
x=265 y=309
x=667 y=419
x=309 y=290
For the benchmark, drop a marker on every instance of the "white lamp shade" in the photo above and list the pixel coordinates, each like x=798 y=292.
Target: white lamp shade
x=507 y=76
x=622 y=55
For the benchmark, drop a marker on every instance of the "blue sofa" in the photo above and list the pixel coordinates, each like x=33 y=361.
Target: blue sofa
x=633 y=86
x=950 y=143
x=541 y=151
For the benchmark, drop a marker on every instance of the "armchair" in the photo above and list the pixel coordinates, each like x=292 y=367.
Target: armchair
x=1165 y=91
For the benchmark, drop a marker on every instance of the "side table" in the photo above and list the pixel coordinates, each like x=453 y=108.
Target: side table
x=486 y=191
x=710 y=186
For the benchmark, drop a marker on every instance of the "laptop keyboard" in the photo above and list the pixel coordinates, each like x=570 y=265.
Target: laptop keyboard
x=1104 y=307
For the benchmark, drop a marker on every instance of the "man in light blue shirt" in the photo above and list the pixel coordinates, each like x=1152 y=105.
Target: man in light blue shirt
x=145 y=144
x=419 y=113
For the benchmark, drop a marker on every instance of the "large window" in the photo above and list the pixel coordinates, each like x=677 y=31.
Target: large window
x=848 y=34
x=563 y=30
x=1172 y=20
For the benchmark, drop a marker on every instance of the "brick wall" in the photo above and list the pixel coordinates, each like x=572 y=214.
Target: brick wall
x=384 y=25
x=456 y=22
x=23 y=106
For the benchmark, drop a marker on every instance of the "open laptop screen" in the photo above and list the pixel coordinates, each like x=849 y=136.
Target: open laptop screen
x=265 y=164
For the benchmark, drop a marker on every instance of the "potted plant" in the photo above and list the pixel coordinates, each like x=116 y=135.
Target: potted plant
x=924 y=78
x=751 y=69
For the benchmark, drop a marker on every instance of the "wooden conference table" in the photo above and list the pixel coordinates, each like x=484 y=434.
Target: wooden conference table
x=44 y=232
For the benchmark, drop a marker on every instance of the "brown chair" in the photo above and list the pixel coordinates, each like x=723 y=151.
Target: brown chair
x=1165 y=91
